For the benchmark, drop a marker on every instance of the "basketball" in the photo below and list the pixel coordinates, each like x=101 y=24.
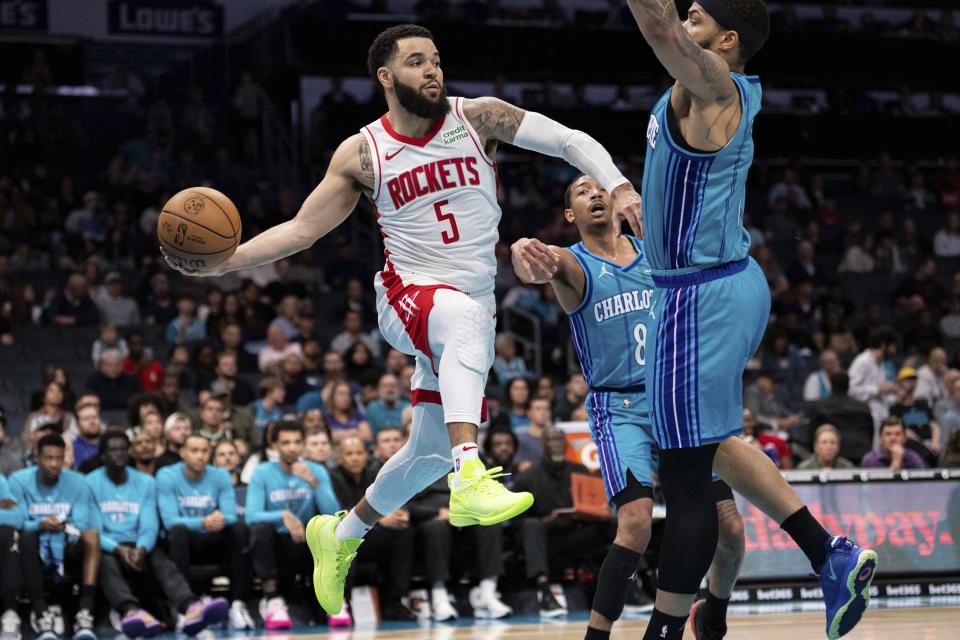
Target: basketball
x=199 y=228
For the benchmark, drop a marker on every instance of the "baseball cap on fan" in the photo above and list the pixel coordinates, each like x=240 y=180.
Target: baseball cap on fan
x=219 y=389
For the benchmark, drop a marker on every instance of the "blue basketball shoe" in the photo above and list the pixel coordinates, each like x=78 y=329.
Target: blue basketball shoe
x=845 y=579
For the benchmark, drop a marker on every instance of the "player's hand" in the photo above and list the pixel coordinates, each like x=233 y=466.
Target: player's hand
x=533 y=261
x=127 y=556
x=51 y=523
x=214 y=521
x=294 y=526
x=302 y=471
x=626 y=206
x=174 y=263
x=399 y=519
x=140 y=558
x=443 y=514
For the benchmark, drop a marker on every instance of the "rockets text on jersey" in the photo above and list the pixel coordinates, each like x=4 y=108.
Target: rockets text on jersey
x=436 y=202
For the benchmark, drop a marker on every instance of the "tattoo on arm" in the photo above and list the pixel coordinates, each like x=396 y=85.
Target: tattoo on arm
x=685 y=59
x=366 y=162
x=494 y=119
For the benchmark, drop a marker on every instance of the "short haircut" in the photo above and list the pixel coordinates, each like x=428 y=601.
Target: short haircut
x=213 y=398
x=196 y=436
x=389 y=427
x=826 y=428
x=384 y=46
x=755 y=14
x=539 y=399
x=286 y=425
x=316 y=431
x=568 y=192
x=268 y=385
x=840 y=383
x=111 y=434
x=50 y=440
x=891 y=421
x=881 y=337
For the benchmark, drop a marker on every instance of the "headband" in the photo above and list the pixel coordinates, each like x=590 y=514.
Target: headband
x=749 y=35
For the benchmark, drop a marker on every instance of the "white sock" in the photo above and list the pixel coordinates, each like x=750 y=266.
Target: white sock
x=438 y=593
x=488 y=588
x=461 y=454
x=352 y=526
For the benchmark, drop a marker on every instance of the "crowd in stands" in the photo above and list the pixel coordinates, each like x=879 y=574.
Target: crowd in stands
x=247 y=404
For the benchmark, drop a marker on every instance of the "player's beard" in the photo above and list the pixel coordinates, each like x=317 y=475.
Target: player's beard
x=418 y=104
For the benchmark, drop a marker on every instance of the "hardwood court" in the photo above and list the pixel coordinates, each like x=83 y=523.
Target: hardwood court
x=885 y=624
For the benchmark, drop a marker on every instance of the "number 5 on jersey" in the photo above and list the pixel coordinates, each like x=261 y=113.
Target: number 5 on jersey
x=449 y=237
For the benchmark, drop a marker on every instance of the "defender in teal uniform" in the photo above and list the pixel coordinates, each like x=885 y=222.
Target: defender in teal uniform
x=604 y=284
x=712 y=308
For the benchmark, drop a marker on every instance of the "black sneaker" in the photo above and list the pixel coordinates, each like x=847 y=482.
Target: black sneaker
x=83 y=625
x=44 y=625
x=397 y=611
x=550 y=607
x=699 y=626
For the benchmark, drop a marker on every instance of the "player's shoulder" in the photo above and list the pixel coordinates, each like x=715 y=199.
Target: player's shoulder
x=168 y=473
x=23 y=475
x=218 y=474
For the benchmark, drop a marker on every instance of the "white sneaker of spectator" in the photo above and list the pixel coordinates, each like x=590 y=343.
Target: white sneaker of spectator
x=440 y=605
x=240 y=617
x=45 y=625
x=486 y=603
x=10 y=625
x=274 y=613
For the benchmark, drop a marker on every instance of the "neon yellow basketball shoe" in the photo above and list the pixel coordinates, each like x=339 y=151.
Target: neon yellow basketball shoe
x=331 y=559
x=480 y=499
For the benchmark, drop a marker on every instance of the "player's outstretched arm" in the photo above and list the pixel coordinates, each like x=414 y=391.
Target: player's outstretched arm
x=324 y=209
x=703 y=73
x=537 y=263
x=497 y=121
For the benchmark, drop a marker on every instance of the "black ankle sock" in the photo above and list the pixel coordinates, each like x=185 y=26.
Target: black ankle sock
x=617 y=569
x=596 y=634
x=715 y=613
x=663 y=626
x=809 y=536
x=88 y=595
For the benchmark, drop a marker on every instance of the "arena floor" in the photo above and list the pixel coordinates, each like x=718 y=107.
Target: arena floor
x=921 y=619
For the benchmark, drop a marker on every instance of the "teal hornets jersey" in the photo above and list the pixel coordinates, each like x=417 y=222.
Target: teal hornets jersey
x=616 y=313
x=693 y=202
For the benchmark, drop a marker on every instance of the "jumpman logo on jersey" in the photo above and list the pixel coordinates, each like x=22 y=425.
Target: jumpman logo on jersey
x=408 y=304
x=603 y=271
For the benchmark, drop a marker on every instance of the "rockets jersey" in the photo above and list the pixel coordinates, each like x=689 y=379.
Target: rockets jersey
x=436 y=202
x=693 y=202
x=611 y=324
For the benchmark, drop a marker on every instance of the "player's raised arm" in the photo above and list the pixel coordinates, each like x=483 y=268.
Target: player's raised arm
x=701 y=72
x=329 y=204
x=537 y=263
x=497 y=121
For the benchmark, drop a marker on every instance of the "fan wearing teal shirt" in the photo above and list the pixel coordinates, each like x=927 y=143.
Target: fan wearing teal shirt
x=127 y=500
x=60 y=524
x=282 y=497
x=11 y=519
x=198 y=510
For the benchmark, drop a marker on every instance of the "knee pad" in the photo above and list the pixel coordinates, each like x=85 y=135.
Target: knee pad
x=474 y=336
x=690 y=535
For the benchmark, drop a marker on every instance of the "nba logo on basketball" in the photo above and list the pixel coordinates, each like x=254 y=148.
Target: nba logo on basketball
x=181 y=233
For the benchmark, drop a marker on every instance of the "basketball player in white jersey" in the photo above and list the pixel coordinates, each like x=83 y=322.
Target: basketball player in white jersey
x=428 y=167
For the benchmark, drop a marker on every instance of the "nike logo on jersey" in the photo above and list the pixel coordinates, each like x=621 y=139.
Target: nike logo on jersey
x=391 y=156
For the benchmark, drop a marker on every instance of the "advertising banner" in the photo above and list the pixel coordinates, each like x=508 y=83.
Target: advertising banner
x=182 y=18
